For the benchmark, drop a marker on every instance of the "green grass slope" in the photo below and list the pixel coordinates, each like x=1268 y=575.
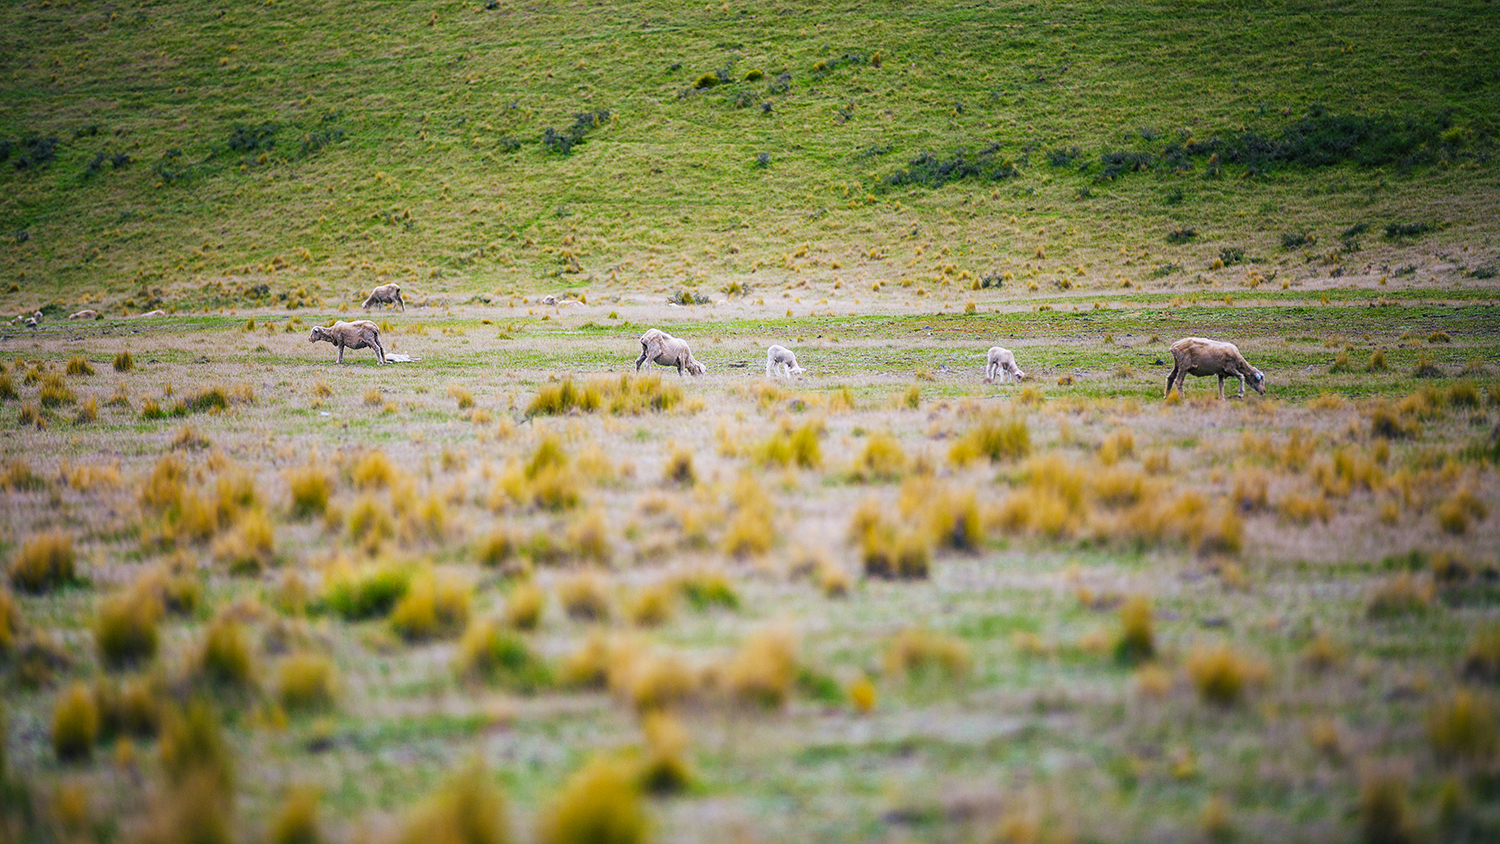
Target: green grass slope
x=294 y=153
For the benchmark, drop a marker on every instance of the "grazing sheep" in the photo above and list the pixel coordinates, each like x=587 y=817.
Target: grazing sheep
x=359 y=334
x=86 y=313
x=156 y=313
x=662 y=348
x=1002 y=364
x=32 y=322
x=1202 y=357
x=385 y=294
x=781 y=361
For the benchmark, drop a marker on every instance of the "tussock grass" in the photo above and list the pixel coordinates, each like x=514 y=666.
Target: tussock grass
x=310 y=488
x=129 y=709
x=524 y=606
x=368 y=592
x=250 y=546
x=43 y=563
x=764 y=669
x=125 y=628
x=585 y=596
x=1221 y=675
x=225 y=660
x=664 y=768
x=123 y=362
x=918 y=653
x=306 y=682
x=432 y=607
x=79 y=365
x=627 y=395
x=75 y=724
x=600 y=803
x=488 y=652
x=1137 y=641
x=469 y=809
x=994 y=437
x=1482 y=659
x=792 y=447
x=54 y=392
x=374 y=470
x=1465 y=726
x=652 y=605
x=704 y=589
x=1385 y=812
x=297 y=820
x=882 y=459
x=752 y=529
x=1404 y=594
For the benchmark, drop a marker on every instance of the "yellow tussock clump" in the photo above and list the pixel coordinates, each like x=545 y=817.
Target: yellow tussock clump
x=433 y=607
x=916 y=652
x=664 y=768
x=764 y=669
x=125 y=628
x=468 y=810
x=1465 y=726
x=44 y=562
x=75 y=724
x=1221 y=675
x=524 y=606
x=306 y=682
x=297 y=821
x=601 y=804
x=585 y=596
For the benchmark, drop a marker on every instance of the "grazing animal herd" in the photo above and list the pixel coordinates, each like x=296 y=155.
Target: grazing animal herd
x=1196 y=356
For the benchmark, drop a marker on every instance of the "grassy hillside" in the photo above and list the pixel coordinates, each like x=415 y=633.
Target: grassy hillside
x=255 y=154
x=513 y=588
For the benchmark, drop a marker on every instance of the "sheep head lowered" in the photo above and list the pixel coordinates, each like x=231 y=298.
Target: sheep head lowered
x=663 y=349
x=1201 y=357
x=359 y=334
x=1001 y=363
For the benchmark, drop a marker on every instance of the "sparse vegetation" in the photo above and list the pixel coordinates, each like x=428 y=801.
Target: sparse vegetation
x=886 y=602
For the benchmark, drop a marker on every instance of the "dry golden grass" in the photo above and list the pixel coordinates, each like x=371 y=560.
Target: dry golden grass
x=306 y=682
x=433 y=607
x=44 y=562
x=585 y=596
x=600 y=803
x=1465 y=726
x=469 y=809
x=126 y=628
x=1137 y=642
x=524 y=606
x=75 y=724
x=919 y=653
x=1221 y=675
x=764 y=668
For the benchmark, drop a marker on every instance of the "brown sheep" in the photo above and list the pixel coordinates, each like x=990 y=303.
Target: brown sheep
x=359 y=334
x=386 y=294
x=1001 y=363
x=86 y=313
x=662 y=348
x=1202 y=357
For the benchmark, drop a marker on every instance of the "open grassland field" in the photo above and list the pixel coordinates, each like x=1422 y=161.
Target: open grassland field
x=515 y=591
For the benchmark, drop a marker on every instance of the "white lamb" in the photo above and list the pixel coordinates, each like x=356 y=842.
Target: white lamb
x=1202 y=357
x=1002 y=364
x=663 y=349
x=781 y=361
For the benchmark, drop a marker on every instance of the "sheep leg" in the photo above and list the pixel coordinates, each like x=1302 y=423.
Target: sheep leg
x=1221 y=386
x=1170 y=378
x=401 y=302
x=769 y=364
x=642 y=359
x=1242 y=386
x=341 y=352
x=379 y=350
